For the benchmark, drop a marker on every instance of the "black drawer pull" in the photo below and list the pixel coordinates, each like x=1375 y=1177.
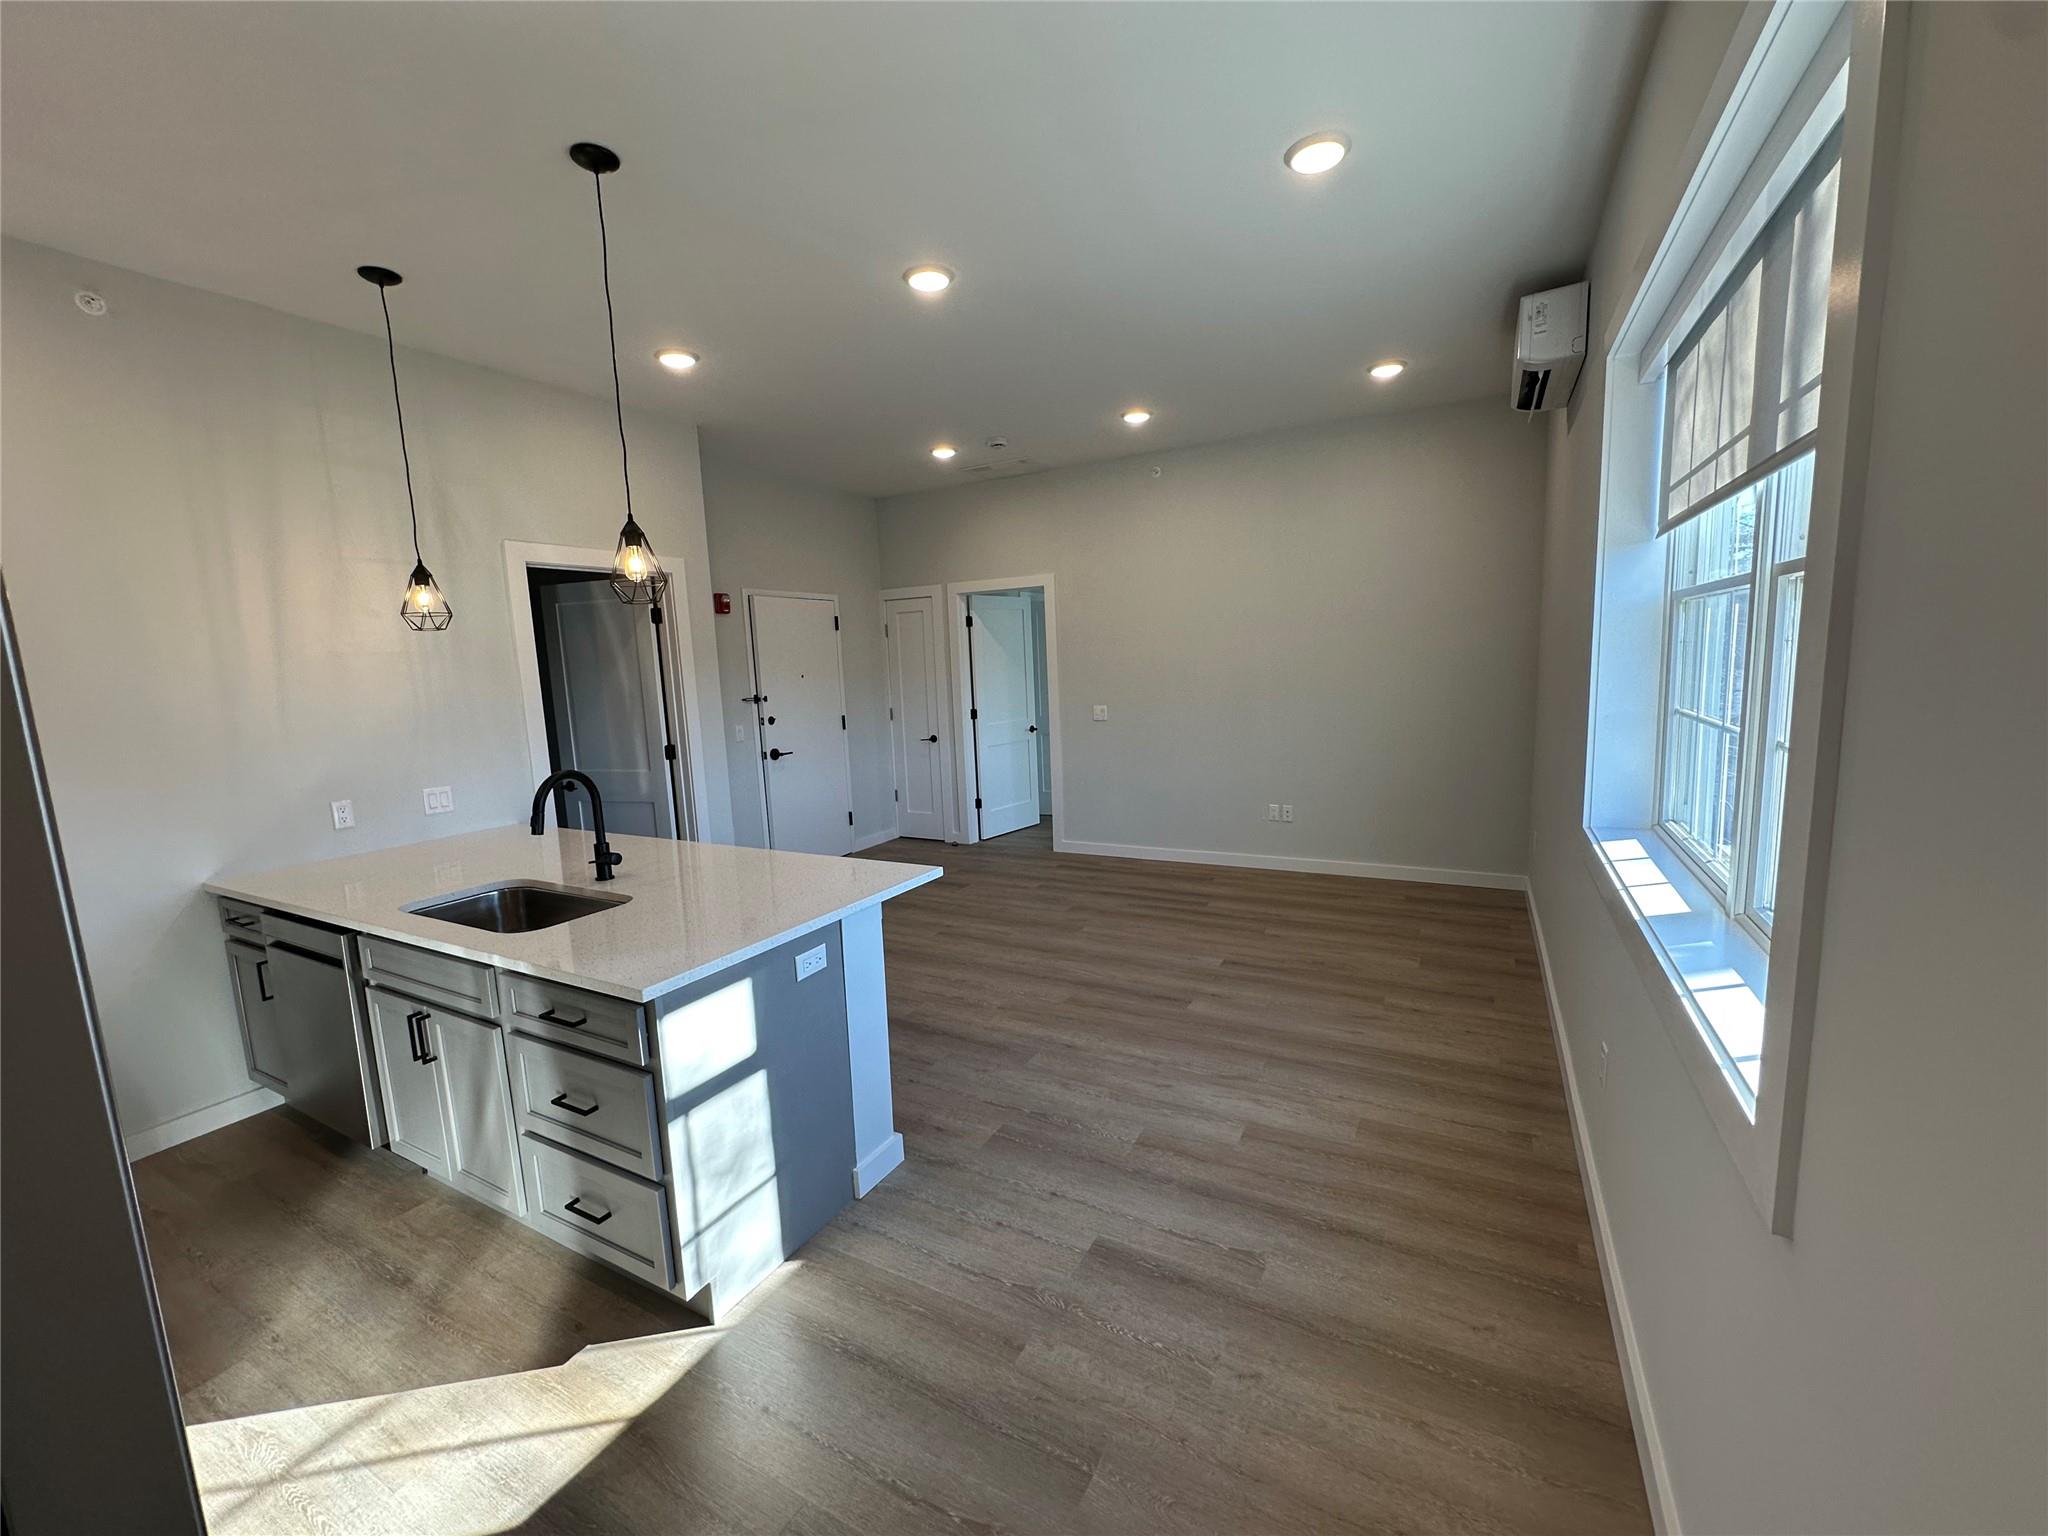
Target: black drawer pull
x=263 y=991
x=561 y=1101
x=574 y=1209
x=549 y=1015
x=245 y=920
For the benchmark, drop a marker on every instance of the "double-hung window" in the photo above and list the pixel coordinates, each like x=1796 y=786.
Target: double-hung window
x=1717 y=664
x=1741 y=410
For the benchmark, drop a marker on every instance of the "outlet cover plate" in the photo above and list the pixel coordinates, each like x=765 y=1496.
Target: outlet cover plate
x=810 y=962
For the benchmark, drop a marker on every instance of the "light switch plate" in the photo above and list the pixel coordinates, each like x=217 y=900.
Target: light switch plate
x=810 y=962
x=439 y=800
x=344 y=814
x=1099 y=712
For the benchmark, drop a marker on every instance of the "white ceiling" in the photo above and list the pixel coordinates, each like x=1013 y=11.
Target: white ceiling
x=1105 y=178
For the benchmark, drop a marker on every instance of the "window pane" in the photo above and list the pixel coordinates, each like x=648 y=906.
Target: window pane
x=1811 y=258
x=1786 y=595
x=1703 y=745
x=1719 y=543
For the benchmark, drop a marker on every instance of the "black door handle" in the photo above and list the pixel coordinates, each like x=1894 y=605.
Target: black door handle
x=263 y=992
x=933 y=739
x=576 y=1210
x=1034 y=730
x=775 y=753
x=552 y=1017
x=561 y=1101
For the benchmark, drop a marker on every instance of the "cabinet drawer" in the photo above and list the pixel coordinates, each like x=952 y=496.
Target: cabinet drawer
x=597 y=1210
x=313 y=938
x=241 y=920
x=607 y=1026
x=436 y=977
x=597 y=1107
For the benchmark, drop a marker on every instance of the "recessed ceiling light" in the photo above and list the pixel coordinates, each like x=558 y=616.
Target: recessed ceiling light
x=1387 y=370
x=1137 y=416
x=1317 y=153
x=943 y=453
x=676 y=360
x=929 y=279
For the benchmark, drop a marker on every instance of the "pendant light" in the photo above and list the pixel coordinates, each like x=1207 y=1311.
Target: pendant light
x=424 y=607
x=637 y=577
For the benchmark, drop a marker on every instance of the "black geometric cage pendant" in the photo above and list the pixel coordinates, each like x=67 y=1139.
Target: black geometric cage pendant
x=637 y=577
x=424 y=607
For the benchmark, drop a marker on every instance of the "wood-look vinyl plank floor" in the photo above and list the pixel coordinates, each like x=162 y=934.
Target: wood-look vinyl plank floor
x=1235 y=1201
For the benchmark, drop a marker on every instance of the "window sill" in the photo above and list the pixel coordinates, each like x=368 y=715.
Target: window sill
x=1704 y=970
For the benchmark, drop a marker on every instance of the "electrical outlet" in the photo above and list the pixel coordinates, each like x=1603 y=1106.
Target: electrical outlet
x=1099 y=712
x=739 y=733
x=810 y=962
x=1287 y=813
x=1603 y=1063
x=344 y=814
x=1273 y=812
x=440 y=800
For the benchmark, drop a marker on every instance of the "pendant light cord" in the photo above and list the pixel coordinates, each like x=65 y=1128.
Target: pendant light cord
x=391 y=351
x=604 y=254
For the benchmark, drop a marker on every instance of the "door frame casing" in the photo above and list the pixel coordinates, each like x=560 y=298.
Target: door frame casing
x=686 y=784
x=942 y=674
x=957 y=592
x=747 y=596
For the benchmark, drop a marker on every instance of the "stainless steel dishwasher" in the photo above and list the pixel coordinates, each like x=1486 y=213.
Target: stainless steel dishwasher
x=315 y=1012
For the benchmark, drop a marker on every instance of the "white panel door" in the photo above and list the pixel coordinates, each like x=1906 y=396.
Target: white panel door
x=917 y=698
x=605 y=685
x=802 y=705
x=1005 y=734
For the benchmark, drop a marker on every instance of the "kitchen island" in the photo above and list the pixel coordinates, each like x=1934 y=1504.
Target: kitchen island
x=684 y=1073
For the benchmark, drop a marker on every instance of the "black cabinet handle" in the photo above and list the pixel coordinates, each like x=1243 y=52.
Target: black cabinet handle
x=777 y=752
x=561 y=1101
x=417 y=1023
x=245 y=920
x=550 y=1016
x=263 y=991
x=412 y=1033
x=576 y=1210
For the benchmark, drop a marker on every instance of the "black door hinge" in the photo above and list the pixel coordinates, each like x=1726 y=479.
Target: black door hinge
x=970 y=621
x=842 y=722
x=974 y=714
x=835 y=621
x=892 y=711
x=897 y=793
x=977 y=802
x=849 y=818
x=668 y=751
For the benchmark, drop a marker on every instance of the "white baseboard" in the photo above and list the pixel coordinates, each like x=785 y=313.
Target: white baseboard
x=878 y=1165
x=170 y=1133
x=1355 y=868
x=1649 y=1445
x=875 y=839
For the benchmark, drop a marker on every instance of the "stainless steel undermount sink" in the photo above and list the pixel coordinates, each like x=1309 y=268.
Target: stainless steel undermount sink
x=517 y=906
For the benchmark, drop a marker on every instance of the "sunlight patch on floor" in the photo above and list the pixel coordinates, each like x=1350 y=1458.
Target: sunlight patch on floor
x=465 y=1459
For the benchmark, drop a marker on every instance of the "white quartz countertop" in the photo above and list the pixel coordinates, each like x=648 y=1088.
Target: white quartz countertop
x=695 y=909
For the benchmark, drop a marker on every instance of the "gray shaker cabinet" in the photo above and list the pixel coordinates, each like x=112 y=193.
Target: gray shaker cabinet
x=261 y=1046
x=483 y=1147
x=412 y=1089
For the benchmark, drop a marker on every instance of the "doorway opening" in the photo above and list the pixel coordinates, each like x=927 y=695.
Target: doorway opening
x=605 y=691
x=604 y=701
x=1006 y=661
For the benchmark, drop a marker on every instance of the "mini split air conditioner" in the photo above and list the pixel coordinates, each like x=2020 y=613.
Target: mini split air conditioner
x=1550 y=348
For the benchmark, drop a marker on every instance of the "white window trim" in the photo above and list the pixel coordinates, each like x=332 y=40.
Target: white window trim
x=1769 y=62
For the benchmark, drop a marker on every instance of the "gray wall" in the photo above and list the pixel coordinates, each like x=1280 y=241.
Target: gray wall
x=1883 y=1370
x=1341 y=618
x=206 y=542
x=771 y=533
